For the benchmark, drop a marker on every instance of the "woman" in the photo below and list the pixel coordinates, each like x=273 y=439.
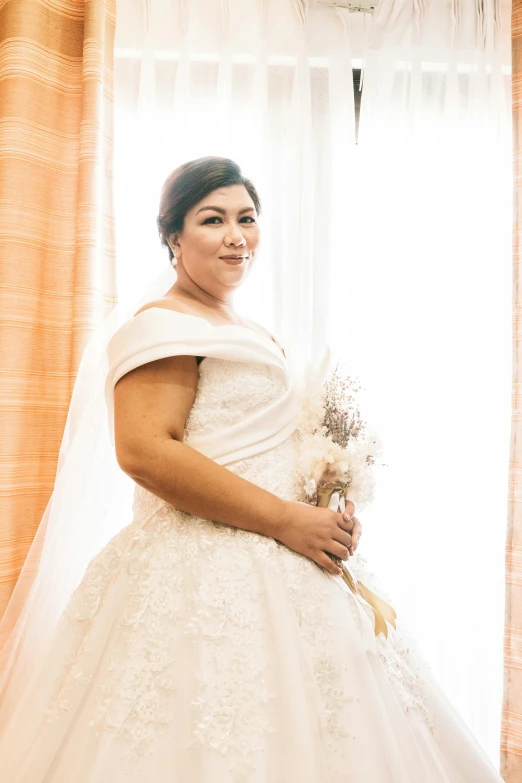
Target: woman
x=210 y=640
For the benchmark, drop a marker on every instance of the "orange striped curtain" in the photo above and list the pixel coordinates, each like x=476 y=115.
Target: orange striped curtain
x=57 y=253
x=512 y=713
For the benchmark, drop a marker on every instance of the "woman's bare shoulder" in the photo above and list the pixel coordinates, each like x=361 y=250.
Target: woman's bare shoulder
x=167 y=303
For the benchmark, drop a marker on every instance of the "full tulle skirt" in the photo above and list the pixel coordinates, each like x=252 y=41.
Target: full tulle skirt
x=201 y=653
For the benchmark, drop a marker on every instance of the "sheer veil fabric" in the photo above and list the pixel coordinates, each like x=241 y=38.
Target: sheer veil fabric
x=83 y=513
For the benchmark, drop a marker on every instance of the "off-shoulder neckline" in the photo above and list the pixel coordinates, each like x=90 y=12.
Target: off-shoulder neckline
x=218 y=326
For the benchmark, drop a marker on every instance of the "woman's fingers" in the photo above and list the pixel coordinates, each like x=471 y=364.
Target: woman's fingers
x=349 y=508
x=355 y=527
x=327 y=563
x=339 y=550
x=341 y=534
x=345 y=524
x=342 y=537
x=356 y=533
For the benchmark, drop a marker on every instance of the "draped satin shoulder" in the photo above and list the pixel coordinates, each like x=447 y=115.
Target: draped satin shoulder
x=159 y=332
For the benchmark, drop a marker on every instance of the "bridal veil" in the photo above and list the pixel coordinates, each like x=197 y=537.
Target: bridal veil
x=83 y=513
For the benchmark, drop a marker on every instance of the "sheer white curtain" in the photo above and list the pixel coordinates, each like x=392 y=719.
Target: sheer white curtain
x=396 y=250
x=429 y=328
x=268 y=84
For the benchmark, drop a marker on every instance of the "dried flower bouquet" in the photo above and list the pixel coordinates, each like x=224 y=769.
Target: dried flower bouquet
x=338 y=452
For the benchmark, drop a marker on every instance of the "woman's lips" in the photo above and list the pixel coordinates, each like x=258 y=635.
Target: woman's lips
x=233 y=261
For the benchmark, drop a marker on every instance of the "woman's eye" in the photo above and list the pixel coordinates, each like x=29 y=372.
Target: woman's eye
x=216 y=217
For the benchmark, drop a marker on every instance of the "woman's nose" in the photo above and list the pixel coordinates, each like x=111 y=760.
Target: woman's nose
x=235 y=236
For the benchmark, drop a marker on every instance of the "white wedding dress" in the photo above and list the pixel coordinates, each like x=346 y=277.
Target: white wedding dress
x=194 y=652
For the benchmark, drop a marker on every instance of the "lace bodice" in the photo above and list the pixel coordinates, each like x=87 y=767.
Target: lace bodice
x=227 y=393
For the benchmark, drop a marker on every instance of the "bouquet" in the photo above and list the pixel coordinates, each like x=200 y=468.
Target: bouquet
x=338 y=452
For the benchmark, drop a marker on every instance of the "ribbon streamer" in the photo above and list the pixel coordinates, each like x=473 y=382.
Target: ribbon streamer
x=382 y=611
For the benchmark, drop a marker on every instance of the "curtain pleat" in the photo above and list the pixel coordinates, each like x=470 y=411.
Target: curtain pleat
x=57 y=245
x=511 y=743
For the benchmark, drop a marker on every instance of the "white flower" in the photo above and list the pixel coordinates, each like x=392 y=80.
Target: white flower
x=320 y=458
x=310 y=487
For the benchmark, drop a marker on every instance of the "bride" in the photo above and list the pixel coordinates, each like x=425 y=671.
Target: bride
x=210 y=639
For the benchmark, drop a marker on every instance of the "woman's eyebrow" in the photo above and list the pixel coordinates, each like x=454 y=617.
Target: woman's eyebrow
x=224 y=212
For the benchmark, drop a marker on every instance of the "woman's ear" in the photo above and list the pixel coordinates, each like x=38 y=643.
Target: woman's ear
x=172 y=242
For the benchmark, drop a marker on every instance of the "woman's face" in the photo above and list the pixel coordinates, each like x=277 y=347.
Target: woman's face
x=218 y=243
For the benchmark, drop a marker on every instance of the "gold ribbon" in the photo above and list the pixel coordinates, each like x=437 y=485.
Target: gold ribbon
x=382 y=611
x=326 y=490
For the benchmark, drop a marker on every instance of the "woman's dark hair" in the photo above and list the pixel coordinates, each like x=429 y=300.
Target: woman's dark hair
x=190 y=183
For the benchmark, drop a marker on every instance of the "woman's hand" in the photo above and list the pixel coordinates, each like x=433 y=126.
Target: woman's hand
x=314 y=532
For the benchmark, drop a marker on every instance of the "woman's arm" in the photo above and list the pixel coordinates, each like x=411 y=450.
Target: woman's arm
x=151 y=406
